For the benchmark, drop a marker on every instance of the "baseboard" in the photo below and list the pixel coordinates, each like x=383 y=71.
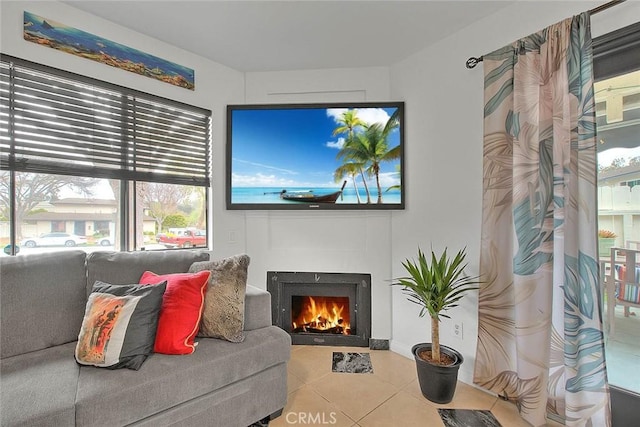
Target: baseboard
x=378 y=344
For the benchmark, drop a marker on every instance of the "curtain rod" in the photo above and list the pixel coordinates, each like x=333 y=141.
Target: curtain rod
x=473 y=61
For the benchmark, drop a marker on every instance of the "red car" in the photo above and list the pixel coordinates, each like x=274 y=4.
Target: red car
x=188 y=239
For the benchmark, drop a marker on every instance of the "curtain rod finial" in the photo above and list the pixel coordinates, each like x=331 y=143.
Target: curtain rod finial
x=473 y=61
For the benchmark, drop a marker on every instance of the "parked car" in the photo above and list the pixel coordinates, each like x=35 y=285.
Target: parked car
x=186 y=239
x=54 y=239
x=105 y=241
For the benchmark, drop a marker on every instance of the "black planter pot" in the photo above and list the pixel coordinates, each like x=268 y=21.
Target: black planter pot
x=437 y=383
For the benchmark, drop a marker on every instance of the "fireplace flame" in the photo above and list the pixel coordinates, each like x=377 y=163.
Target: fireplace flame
x=323 y=315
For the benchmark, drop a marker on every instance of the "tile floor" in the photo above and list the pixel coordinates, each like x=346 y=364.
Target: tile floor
x=388 y=397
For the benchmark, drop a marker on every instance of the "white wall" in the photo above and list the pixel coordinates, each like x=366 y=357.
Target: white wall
x=444 y=104
x=324 y=241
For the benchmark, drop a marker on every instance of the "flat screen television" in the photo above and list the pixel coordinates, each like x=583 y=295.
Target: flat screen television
x=315 y=156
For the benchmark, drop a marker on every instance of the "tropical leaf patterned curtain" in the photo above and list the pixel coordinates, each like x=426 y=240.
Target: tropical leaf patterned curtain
x=540 y=325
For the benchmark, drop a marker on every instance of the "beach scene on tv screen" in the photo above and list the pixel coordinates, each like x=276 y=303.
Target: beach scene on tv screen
x=316 y=155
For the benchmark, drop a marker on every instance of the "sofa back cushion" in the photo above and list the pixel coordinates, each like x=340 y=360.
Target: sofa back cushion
x=42 y=300
x=120 y=268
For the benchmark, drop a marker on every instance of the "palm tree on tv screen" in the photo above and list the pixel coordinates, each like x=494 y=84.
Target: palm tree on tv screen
x=349 y=122
x=370 y=148
x=397 y=174
x=350 y=169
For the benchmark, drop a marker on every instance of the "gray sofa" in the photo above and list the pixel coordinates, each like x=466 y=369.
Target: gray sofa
x=43 y=300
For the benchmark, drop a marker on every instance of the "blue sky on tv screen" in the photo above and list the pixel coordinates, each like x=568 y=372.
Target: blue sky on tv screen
x=295 y=147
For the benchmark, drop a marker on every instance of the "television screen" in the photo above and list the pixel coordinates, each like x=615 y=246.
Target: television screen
x=315 y=156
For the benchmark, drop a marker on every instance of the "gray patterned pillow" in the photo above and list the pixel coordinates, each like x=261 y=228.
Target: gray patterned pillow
x=223 y=314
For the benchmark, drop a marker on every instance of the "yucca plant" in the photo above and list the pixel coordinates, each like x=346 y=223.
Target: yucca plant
x=436 y=286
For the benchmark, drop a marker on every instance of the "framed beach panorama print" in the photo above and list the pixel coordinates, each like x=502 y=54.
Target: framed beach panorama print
x=55 y=35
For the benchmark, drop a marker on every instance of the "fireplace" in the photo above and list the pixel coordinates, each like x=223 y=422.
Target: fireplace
x=322 y=308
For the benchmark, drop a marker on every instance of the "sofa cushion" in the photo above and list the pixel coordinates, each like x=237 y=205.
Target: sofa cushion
x=119 y=326
x=39 y=388
x=239 y=404
x=257 y=308
x=42 y=300
x=121 y=397
x=181 y=310
x=123 y=268
x=223 y=315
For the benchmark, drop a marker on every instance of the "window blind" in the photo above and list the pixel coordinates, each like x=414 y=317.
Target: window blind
x=56 y=122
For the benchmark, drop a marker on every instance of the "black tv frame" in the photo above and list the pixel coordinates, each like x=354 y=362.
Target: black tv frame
x=297 y=206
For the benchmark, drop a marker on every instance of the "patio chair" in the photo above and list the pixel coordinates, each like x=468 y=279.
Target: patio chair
x=622 y=283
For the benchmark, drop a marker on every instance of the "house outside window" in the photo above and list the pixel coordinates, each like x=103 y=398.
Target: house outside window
x=111 y=167
x=58 y=226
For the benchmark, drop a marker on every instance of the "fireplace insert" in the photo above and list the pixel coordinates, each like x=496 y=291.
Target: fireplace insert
x=322 y=308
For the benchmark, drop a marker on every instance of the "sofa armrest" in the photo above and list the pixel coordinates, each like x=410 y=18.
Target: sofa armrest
x=257 y=308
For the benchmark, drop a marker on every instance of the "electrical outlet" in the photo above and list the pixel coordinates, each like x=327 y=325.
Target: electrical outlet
x=457 y=330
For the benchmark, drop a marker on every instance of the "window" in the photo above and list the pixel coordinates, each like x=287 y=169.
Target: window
x=617 y=96
x=57 y=226
x=112 y=166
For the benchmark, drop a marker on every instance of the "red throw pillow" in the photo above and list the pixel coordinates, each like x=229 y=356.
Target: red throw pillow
x=181 y=310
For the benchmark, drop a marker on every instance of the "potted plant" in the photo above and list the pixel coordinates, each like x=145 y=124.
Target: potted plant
x=436 y=285
x=606 y=240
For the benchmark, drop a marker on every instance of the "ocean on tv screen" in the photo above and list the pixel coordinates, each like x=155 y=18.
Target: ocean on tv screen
x=272 y=195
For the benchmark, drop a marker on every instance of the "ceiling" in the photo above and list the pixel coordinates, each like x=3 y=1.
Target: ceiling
x=296 y=35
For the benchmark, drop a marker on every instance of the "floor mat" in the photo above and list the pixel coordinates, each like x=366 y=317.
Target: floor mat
x=468 y=418
x=352 y=363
